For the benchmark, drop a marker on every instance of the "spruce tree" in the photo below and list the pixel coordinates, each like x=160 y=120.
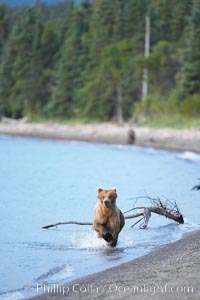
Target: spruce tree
x=63 y=102
x=179 y=18
x=4 y=26
x=135 y=12
x=21 y=92
x=191 y=63
x=7 y=77
x=36 y=97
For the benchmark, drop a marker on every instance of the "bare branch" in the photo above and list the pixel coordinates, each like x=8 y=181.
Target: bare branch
x=139 y=207
x=66 y=223
x=134 y=215
x=137 y=222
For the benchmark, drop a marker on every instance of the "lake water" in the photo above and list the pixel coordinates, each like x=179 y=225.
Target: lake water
x=44 y=181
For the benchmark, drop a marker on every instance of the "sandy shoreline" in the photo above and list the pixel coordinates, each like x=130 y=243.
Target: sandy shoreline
x=165 y=138
x=170 y=272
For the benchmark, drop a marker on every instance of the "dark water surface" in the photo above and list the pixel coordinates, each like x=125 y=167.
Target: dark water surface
x=43 y=181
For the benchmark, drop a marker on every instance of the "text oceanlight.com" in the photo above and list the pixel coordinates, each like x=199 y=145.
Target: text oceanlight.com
x=113 y=288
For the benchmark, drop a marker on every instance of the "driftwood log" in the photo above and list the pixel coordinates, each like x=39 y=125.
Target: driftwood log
x=166 y=208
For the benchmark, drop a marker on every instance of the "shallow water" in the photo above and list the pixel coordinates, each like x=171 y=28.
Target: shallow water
x=43 y=181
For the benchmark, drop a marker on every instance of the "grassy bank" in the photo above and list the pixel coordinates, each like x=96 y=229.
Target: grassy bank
x=176 y=121
x=170 y=121
x=64 y=121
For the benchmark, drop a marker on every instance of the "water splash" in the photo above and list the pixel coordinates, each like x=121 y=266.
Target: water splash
x=91 y=242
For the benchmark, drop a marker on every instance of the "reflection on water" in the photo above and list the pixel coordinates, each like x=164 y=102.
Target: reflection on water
x=47 y=181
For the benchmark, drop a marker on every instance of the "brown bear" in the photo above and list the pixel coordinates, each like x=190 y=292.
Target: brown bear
x=108 y=218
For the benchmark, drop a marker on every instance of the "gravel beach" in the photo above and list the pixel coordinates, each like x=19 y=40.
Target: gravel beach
x=170 y=272
x=165 y=138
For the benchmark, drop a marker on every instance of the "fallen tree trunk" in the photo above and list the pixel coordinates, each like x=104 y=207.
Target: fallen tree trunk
x=167 y=209
x=159 y=211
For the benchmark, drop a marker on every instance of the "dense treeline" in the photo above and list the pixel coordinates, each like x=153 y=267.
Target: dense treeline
x=75 y=60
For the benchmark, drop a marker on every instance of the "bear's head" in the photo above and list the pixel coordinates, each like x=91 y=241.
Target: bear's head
x=107 y=197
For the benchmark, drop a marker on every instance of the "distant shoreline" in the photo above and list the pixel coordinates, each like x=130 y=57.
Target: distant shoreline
x=108 y=133
x=169 y=272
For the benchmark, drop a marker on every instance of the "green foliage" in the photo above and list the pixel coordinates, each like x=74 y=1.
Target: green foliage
x=107 y=92
x=158 y=105
x=191 y=68
x=62 y=101
x=152 y=106
x=191 y=106
x=177 y=121
x=163 y=66
x=86 y=59
x=4 y=26
x=159 y=111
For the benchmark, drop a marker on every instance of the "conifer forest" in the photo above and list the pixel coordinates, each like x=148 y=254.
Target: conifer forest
x=86 y=59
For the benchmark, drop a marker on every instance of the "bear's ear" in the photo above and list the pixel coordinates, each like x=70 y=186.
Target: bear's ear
x=100 y=190
x=113 y=189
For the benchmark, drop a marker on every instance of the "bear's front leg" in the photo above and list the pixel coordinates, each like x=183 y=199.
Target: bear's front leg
x=102 y=231
x=114 y=231
x=113 y=243
x=99 y=228
x=107 y=237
